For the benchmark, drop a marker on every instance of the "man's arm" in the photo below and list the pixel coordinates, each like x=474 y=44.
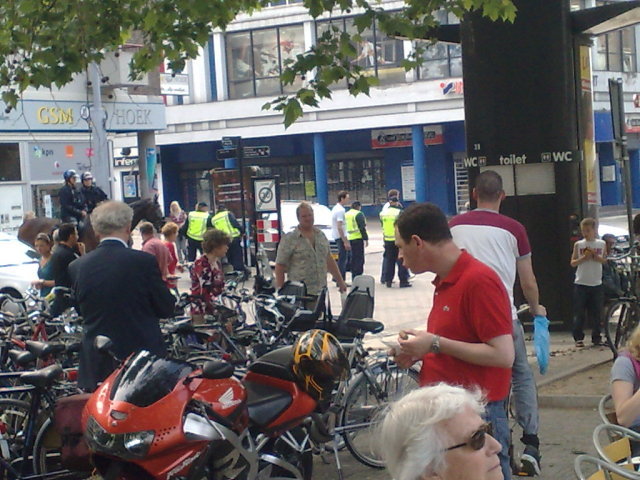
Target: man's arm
x=162 y=301
x=332 y=268
x=576 y=258
x=496 y=352
x=343 y=236
x=280 y=271
x=362 y=226
x=530 y=286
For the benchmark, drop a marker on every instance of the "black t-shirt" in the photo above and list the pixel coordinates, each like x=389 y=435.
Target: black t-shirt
x=60 y=259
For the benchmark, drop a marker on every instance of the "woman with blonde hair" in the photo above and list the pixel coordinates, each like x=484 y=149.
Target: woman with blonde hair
x=437 y=432
x=178 y=216
x=625 y=385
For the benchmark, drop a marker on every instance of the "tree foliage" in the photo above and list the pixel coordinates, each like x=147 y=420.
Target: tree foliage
x=44 y=43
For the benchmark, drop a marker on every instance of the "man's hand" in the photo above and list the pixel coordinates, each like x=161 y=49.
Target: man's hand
x=342 y=286
x=415 y=343
x=347 y=244
x=83 y=213
x=402 y=360
x=81 y=248
x=538 y=310
x=366 y=243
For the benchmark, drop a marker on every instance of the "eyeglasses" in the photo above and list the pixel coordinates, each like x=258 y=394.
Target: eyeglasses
x=476 y=442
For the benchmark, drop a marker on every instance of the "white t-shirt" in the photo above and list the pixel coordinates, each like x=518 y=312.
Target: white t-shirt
x=337 y=215
x=589 y=273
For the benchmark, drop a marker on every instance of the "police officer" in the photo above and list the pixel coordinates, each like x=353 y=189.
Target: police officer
x=390 y=256
x=357 y=236
x=194 y=228
x=73 y=208
x=225 y=220
x=93 y=194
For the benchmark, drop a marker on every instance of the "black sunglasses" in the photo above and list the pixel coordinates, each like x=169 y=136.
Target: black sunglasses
x=476 y=442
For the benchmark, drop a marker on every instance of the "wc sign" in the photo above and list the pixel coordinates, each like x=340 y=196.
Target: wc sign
x=556 y=157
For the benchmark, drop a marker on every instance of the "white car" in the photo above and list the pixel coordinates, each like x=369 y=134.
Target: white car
x=322 y=220
x=621 y=234
x=18 y=265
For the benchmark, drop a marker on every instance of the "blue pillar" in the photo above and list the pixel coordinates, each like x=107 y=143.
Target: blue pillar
x=634 y=158
x=320 y=158
x=230 y=163
x=419 y=163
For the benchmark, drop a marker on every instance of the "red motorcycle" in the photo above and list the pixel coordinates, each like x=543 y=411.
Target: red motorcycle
x=158 y=418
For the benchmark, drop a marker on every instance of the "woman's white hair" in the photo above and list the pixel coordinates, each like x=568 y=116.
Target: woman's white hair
x=410 y=438
x=110 y=217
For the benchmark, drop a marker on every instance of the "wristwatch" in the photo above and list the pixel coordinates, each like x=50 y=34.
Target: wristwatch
x=435 y=344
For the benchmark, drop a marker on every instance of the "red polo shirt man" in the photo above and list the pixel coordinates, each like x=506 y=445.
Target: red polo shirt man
x=468 y=340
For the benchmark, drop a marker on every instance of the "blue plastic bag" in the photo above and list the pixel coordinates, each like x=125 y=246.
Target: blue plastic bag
x=541 y=341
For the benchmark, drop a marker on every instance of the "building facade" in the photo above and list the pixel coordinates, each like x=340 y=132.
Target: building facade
x=409 y=134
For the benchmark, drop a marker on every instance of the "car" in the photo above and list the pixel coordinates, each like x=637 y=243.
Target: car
x=18 y=267
x=322 y=218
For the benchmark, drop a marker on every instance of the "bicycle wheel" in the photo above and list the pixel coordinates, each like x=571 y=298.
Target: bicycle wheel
x=13 y=425
x=621 y=318
x=362 y=403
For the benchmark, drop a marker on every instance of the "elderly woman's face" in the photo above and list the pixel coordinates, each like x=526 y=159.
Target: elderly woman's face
x=465 y=463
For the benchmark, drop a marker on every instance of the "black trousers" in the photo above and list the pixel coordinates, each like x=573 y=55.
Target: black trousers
x=343 y=258
x=193 y=247
x=357 y=257
x=589 y=301
x=234 y=255
x=389 y=262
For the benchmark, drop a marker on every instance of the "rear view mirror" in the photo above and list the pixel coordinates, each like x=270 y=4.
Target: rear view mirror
x=103 y=344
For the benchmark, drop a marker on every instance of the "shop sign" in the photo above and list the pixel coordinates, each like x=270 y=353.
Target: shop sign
x=49 y=160
x=174 y=84
x=633 y=125
x=71 y=116
x=401 y=137
x=125 y=161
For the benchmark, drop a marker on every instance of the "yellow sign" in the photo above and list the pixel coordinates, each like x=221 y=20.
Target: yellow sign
x=589 y=144
x=310 y=188
x=55 y=115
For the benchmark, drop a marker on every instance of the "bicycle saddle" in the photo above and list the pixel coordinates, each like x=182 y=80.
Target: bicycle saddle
x=21 y=357
x=366 y=325
x=42 y=349
x=42 y=378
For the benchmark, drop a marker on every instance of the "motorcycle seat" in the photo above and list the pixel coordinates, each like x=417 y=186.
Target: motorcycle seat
x=276 y=363
x=42 y=349
x=42 y=378
x=217 y=369
x=21 y=357
x=366 y=325
x=265 y=402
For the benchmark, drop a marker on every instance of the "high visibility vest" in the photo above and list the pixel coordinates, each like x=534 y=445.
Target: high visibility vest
x=221 y=221
x=388 y=219
x=353 y=232
x=197 y=225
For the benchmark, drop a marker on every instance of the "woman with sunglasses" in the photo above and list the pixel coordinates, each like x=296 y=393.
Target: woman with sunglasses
x=437 y=432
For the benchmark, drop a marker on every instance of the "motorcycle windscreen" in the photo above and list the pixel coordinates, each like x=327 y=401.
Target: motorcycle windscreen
x=147 y=378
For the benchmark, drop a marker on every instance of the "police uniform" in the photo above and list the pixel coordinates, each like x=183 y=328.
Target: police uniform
x=390 y=257
x=224 y=220
x=194 y=228
x=356 y=234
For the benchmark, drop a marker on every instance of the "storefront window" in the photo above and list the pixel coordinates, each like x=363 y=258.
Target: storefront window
x=377 y=53
x=293 y=180
x=255 y=60
x=9 y=162
x=629 y=59
x=600 y=53
x=362 y=178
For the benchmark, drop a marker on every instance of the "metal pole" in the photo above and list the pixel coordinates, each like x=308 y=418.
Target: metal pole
x=626 y=168
x=243 y=239
x=98 y=125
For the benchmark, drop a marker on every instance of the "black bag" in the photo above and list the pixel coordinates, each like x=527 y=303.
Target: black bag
x=67 y=420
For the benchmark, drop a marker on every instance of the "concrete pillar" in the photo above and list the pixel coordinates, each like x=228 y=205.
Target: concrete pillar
x=419 y=163
x=320 y=158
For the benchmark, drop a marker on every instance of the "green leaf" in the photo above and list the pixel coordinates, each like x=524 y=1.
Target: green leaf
x=292 y=111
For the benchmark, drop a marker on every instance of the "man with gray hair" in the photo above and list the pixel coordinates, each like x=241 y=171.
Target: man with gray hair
x=120 y=294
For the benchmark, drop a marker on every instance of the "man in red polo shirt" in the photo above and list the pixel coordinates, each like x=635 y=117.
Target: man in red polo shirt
x=468 y=340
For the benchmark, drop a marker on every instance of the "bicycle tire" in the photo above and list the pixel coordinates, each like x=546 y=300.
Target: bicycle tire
x=361 y=407
x=14 y=414
x=621 y=318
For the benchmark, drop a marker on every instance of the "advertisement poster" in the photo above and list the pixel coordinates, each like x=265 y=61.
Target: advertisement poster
x=589 y=144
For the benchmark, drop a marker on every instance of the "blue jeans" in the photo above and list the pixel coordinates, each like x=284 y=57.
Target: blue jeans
x=343 y=258
x=589 y=300
x=523 y=385
x=496 y=414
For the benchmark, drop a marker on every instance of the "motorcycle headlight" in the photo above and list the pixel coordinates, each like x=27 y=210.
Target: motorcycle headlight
x=123 y=445
x=138 y=443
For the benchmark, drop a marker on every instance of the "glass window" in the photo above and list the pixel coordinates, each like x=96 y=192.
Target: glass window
x=9 y=162
x=293 y=180
x=255 y=60
x=614 y=52
x=600 y=53
x=629 y=59
x=362 y=178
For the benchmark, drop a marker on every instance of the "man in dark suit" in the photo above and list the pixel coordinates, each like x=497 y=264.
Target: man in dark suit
x=120 y=294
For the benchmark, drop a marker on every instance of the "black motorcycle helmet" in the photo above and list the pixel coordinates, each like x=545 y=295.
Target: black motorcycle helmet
x=68 y=174
x=319 y=362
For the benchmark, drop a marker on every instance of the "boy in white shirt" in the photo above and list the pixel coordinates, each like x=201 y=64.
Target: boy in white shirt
x=588 y=256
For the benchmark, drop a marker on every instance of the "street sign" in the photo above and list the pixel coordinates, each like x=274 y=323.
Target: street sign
x=225 y=154
x=229 y=143
x=265 y=194
x=257 y=152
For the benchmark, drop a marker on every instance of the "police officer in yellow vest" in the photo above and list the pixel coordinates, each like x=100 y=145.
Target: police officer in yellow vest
x=390 y=257
x=225 y=220
x=358 y=238
x=194 y=227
